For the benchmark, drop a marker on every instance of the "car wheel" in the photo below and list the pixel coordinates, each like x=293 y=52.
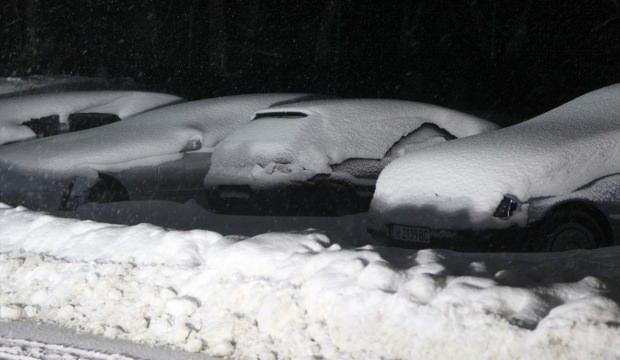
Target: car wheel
x=569 y=229
x=107 y=189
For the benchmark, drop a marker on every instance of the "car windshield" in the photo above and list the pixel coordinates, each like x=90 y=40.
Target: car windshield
x=326 y=179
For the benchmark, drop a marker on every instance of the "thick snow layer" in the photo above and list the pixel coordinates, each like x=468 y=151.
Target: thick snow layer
x=295 y=296
x=460 y=184
x=149 y=138
x=16 y=110
x=306 y=139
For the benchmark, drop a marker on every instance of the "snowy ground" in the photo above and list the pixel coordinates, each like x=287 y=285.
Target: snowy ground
x=299 y=296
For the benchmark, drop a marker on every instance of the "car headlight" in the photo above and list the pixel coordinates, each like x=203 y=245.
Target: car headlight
x=507 y=207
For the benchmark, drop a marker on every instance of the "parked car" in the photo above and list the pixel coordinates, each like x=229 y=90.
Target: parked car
x=321 y=158
x=32 y=116
x=161 y=154
x=548 y=184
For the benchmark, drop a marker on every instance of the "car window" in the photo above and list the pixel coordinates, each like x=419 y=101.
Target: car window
x=280 y=115
x=83 y=121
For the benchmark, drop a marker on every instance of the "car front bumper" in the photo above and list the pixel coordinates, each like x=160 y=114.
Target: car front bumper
x=513 y=239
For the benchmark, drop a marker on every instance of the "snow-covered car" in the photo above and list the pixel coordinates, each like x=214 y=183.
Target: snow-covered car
x=160 y=154
x=548 y=184
x=321 y=158
x=42 y=115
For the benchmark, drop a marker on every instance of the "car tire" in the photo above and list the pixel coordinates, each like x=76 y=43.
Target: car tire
x=568 y=229
x=107 y=189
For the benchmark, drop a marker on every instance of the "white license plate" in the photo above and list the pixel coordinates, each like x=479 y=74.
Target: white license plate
x=411 y=234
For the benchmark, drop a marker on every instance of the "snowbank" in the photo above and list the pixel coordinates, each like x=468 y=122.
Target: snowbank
x=296 y=296
x=16 y=110
x=460 y=184
x=288 y=143
x=149 y=138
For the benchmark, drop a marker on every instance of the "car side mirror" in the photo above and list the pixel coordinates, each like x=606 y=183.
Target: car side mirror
x=192 y=145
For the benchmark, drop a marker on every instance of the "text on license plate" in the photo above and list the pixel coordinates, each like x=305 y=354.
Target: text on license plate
x=411 y=234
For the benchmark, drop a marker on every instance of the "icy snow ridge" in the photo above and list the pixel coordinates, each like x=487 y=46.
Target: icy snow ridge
x=292 y=296
x=459 y=184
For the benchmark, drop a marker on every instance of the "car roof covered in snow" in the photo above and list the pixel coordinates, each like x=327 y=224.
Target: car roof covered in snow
x=300 y=140
x=552 y=154
x=148 y=138
x=14 y=111
x=366 y=112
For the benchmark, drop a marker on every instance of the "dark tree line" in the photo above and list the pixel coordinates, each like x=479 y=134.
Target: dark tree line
x=505 y=56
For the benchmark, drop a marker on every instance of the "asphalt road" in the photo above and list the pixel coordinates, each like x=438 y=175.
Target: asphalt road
x=27 y=340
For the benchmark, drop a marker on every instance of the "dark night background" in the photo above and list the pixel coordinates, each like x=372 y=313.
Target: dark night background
x=508 y=58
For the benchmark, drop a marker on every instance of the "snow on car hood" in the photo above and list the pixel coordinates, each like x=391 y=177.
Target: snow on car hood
x=459 y=184
x=16 y=110
x=288 y=143
x=148 y=138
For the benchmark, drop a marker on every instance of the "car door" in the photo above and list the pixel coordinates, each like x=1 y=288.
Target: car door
x=183 y=179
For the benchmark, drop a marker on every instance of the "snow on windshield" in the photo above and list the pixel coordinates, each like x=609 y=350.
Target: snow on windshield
x=146 y=139
x=460 y=184
x=299 y=296
x=274 y=149
x=15 y=111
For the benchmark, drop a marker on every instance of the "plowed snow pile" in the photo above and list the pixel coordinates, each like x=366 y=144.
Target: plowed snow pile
x=298 y=296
